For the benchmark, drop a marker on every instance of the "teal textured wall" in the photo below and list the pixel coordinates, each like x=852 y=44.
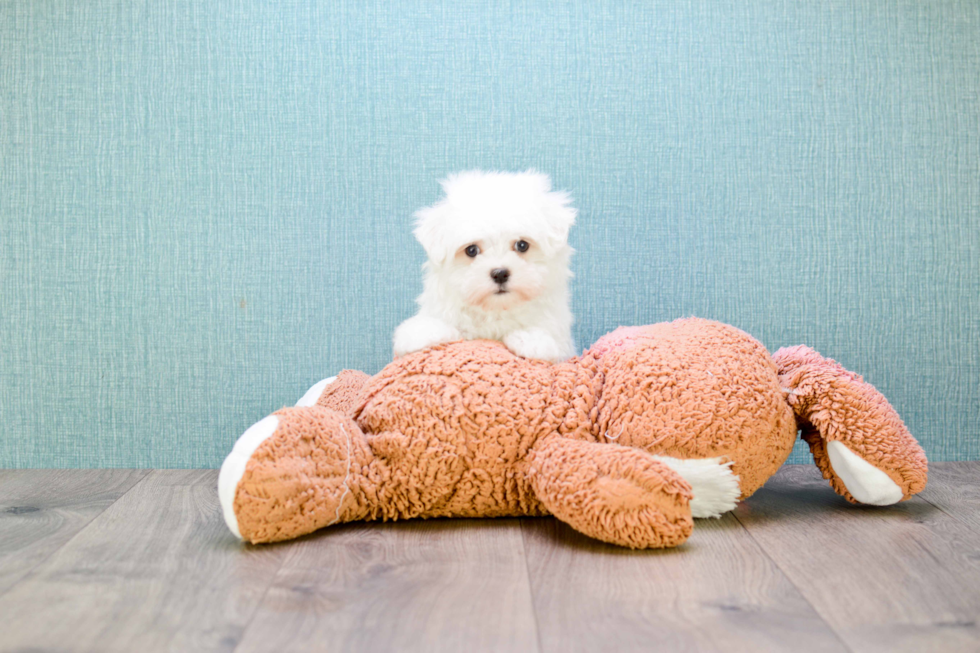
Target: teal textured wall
x=205 y=206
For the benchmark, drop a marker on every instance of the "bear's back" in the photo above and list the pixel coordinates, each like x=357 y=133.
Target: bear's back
x=455 y=422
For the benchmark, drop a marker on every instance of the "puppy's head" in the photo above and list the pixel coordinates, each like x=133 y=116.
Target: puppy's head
x=497 y=239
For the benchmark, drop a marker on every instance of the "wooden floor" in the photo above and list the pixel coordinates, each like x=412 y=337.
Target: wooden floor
x=120 y=560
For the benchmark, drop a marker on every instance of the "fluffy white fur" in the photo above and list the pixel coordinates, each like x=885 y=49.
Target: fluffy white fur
x=716 y=488
x=460 y=300
x=865 y=482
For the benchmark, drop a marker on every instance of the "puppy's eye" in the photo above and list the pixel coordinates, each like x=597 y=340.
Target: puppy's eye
x=522 y=246
x=472 y=251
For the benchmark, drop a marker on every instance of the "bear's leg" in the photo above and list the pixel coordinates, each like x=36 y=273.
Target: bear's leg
x=311 y=396
x=338 y=392
x=857 y=439
x=294 y=472
x=613 y=493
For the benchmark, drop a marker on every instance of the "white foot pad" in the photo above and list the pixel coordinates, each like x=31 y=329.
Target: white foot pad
x=309 y=399
x=716 y=488
x=864 y=481
x=233 y=468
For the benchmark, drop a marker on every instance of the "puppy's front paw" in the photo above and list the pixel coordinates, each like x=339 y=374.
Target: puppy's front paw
x=536 y=343
x=420 y=332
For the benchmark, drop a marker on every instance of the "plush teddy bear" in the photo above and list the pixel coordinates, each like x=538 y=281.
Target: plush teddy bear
x=626 y=443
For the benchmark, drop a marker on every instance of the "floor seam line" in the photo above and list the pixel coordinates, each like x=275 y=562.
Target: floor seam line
x=952 y=516
x=258 y=604
x=790 y=580
x=81 y=530
x=530 y=589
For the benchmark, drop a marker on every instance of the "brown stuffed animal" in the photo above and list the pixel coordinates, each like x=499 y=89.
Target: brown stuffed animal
x=650 y=427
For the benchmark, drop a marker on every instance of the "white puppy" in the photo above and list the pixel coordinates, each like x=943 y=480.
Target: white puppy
x=498 y=252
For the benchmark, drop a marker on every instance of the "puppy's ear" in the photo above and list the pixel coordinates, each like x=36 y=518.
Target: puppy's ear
x=556 y=209
x=453 y=178
x=431 y=232
x=560 y=215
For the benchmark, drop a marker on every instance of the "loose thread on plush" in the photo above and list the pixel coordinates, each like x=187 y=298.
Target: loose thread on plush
x=657 y=441
x=622 y=427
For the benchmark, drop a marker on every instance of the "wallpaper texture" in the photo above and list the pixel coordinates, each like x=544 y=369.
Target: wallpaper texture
x=205 y=206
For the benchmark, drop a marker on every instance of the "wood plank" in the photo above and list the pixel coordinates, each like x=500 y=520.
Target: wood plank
x=157 y=570
x=954 y=488
x=439 y=585
x=41 y=509
x=900 y=578
x=717 y=592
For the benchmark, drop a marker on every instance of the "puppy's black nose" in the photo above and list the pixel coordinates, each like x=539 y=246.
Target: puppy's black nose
x=500 y=275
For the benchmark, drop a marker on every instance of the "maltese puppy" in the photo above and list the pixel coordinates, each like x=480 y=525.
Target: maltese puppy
x=497 y=247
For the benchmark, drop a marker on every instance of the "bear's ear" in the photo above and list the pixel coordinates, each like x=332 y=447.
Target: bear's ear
x=432 y=230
